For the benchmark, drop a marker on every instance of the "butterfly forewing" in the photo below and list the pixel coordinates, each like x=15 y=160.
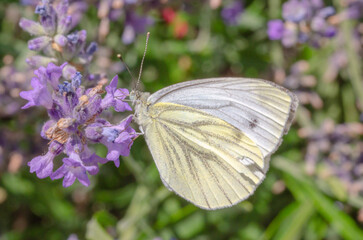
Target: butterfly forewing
x=202 y=158
x=258 y=108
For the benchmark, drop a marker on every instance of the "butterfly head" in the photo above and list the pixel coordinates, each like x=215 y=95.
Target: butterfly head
x=138 y=97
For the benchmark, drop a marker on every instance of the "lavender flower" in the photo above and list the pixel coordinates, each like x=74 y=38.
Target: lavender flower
x=354 y=9
x=336 y=147
x=75 y=122
x=12 y=82
x=305 y=21
x=296 y=10
x=302 y=84
x=53 y=37
x=232 y=12
x=134 y=24
x=275 y=29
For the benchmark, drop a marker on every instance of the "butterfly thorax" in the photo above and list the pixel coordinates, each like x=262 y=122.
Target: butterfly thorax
x=141 y=107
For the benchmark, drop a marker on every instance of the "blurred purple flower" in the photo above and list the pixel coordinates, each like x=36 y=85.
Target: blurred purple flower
x=336 y=147
x=134 y=24
x=302 y=83
x=305 y=21
x=295 y=10
x=275 y=29
x=73 y=236
x=232 y=12
x=355 y=9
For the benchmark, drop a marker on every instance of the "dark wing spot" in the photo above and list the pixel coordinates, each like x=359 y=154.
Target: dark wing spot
x=253 y=124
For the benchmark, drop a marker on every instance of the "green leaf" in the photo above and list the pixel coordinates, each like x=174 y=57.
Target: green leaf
x=290 y=222
x=297 y=182
x=294 y=223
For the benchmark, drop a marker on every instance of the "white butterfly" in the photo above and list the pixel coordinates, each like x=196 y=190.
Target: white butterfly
x=211 y=139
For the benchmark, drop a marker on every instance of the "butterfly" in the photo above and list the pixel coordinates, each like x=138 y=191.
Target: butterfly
x=211 y=139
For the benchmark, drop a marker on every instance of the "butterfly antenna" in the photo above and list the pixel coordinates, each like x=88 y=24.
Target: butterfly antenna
x=142 y=61
x=119 y=56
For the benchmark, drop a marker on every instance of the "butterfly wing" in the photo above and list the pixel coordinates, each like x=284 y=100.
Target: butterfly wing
x=202 y=158
x=260 y=109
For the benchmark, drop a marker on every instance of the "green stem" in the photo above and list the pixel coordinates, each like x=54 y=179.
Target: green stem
x=354 y=67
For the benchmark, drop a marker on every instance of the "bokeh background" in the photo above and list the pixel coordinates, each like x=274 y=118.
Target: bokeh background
x=314 y=188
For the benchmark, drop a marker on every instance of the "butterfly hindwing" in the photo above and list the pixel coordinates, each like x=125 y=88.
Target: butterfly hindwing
x=202 y=158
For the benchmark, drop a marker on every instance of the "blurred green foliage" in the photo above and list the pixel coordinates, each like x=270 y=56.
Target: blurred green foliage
x=130 y=202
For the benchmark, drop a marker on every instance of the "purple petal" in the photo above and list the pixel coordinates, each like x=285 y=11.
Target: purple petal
x=39 y=96
x=54 y=73
x=121 y=106
x=81 y=174
x=59 y=173
x=111 y=88
x=43 y=165
x=69 y=179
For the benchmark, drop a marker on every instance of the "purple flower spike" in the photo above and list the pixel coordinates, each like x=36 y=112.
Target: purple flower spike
x=232 y=12
x=43 y=165
x=31 y=27
x=115 y=96
x=39 y=43
x=275 y=29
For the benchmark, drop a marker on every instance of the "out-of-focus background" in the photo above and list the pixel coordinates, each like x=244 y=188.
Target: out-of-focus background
x=314 y=188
